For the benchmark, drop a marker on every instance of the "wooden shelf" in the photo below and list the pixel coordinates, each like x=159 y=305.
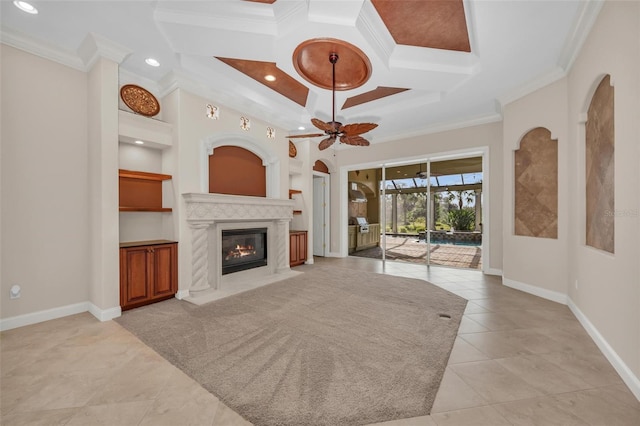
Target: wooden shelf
x=145 y=209
x=131 y=174
x=141 y=191
x=294 y=191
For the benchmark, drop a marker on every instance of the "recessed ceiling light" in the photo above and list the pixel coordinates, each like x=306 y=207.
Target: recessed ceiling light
x=153 y=62
x=270 y=77
x=26 y=7
x=301 y=128
x=139 y=142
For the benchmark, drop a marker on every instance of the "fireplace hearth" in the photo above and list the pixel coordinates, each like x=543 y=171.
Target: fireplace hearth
x=243 y=249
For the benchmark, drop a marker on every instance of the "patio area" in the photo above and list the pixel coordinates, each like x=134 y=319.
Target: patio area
x=410 y=249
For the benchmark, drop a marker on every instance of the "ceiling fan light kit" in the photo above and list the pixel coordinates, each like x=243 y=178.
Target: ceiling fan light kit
x=348 y=134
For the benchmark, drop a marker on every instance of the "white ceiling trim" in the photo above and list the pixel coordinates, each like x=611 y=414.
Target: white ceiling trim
x=94 y=47
x=37 y=47
x=444 y=127
x=581 y=28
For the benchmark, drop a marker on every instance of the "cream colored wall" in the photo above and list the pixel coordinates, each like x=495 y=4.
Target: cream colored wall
x=459 y=140
x=541 y=262
x=606 y=287
x=45 y=184
x=192 y=128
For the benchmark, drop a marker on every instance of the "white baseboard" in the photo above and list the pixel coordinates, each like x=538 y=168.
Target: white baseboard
x=630 y=379
x=105 y=314
x=62 y=311
x=181 y=294
x=493 y=271
x=554 y=296
x=41 y=316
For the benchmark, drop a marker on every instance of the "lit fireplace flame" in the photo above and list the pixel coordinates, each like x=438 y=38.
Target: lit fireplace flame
x=240 y=251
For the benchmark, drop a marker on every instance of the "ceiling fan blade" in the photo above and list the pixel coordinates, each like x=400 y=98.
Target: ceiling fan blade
x=354 y=140
x=357 y=128
x=321 y=125
x=308 y=135
x=326 y=143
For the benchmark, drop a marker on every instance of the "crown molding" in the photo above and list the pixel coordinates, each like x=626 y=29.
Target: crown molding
x=445 y=127
x=577 y=36
x=530 y=87
x=579 y=32
x=94 y=47
x=42 y=49
x=370 y=25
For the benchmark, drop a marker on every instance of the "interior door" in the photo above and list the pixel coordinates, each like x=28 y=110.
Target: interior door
x=319 y=217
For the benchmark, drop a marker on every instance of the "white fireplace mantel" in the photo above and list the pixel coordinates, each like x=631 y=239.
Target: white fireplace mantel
x=221 y=207
x=209 y=214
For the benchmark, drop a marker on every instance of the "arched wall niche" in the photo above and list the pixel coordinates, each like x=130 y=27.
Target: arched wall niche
x=600 y=169
x=268 y=158
x=536 y=185
x=235 y=170
x=320 y=166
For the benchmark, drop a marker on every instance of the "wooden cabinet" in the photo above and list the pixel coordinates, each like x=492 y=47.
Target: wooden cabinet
x=148 y=272
x=141 y=191
x=297 y=247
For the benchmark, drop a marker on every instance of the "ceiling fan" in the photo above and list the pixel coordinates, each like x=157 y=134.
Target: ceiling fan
x=349 y=133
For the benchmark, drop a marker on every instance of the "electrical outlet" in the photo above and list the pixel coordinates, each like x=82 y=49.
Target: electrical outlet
x=14 y=293
x=576 y=284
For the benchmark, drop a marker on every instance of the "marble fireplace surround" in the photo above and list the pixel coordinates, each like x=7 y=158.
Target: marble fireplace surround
x=208 y=215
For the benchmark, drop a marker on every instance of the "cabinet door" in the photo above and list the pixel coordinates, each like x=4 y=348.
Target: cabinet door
x=302 y=247
x=136 y=274
x=293 y=249
x=164 y=270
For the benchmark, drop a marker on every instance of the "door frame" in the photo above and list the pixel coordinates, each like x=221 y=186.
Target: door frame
x=326 y=180
x=487 y=208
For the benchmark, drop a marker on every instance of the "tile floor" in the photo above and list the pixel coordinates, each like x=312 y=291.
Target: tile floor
x=409 y=249
x=518 y=360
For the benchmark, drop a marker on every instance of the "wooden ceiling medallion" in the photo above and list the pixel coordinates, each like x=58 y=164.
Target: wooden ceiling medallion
x=140 y=100
x=310 y=61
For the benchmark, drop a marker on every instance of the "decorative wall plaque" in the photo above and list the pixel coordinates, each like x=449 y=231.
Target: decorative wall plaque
x=213 y=112
x=292 y=150
x=536 y=185
x=271 y=132
x=140 y=100
x=245 y=123
x=600 y=169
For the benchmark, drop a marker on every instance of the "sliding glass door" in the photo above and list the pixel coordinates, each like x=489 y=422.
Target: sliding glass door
x=432 y=211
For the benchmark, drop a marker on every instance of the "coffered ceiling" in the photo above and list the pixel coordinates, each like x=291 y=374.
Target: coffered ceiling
x=419 y=66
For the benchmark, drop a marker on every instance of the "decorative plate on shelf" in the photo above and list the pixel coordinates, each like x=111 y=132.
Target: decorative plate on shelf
x=292 y=150
x=140 y=100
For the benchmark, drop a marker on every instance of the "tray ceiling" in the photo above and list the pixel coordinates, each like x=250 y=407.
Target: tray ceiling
x=432 y=64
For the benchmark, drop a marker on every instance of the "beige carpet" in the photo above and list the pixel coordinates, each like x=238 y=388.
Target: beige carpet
x=331 y=346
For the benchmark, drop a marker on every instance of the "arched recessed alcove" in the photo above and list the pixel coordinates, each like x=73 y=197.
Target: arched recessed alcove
x=235 y=170
x=238 y=145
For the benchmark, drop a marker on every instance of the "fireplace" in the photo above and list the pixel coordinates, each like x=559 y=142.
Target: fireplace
x=243 y=249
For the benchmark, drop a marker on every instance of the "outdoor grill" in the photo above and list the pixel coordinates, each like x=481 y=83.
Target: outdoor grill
x=363 y=225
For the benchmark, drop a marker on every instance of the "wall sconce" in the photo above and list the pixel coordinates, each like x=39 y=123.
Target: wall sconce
x=271 y=132
x=213 y=112
x=245 y=123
